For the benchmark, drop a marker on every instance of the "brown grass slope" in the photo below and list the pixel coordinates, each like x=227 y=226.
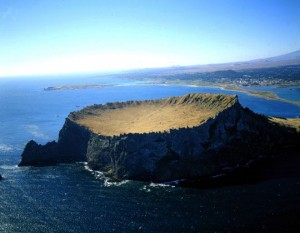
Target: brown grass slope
x=160 y=115
x=293 y=123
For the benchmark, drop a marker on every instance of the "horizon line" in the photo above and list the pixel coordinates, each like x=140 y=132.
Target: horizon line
x=119 y=71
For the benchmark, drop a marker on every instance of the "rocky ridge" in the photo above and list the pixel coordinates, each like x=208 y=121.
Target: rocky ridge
x=227 y=137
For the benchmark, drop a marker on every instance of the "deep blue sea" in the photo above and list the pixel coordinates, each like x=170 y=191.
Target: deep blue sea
x=70 y=198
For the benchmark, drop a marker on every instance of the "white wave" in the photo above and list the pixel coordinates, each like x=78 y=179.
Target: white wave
x=86 y=167
x=149 y=187
x=6 y=148
x=100 y=175
x=146 y=189
x=9 y=167
x=36 y=132
x=97 y=174
x=108 y=183
x=84 y=163
x=160 y=185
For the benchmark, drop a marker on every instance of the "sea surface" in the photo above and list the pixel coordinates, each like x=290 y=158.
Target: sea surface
x=71 y=198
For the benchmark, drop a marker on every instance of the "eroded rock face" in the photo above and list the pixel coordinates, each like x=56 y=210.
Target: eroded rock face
x=233 y=136
x=228 y=136
x=71 y=147
x=39 y=155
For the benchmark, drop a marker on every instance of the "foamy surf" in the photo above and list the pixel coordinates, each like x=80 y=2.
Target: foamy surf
x=107 y=182
x=8 y=167
x=6 y=148
x=160 y=185
x=148 y=187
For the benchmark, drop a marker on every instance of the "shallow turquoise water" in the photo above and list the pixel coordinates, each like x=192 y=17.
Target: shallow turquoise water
x=289 y=93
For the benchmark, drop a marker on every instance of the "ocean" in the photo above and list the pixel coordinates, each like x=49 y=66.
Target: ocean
x=71 y=198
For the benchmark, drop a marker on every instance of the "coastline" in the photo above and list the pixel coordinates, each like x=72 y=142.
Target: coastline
x=269 y=95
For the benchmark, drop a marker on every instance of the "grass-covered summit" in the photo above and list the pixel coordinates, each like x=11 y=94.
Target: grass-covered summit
x=148 y=116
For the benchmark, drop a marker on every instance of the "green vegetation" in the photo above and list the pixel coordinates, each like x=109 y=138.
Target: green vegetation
x=235 y=80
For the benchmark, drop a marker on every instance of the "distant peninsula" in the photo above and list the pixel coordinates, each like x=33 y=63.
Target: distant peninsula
x=191 y=137
x=78 y=86
x=227 y=77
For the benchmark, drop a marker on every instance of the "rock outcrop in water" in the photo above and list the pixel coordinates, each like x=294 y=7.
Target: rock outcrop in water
x=187 y=137
x=71 y=147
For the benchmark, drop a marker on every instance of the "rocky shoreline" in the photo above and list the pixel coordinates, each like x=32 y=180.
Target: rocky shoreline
x=216 y=151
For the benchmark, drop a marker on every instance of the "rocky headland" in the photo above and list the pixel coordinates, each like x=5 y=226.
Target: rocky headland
x=181 y=140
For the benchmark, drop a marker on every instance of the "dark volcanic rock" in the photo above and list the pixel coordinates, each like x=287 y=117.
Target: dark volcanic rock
x=71 y=147
x=72 y=142
x=38 y=155
x=234 y=136
x=209 y=150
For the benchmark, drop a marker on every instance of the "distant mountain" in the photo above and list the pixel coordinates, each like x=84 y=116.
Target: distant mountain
x=285 y=57
x=288 y=59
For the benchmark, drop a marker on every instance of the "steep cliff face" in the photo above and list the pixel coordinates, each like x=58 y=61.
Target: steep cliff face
x=233 y=136
x=40 y=155
x=195 y=135
x=71 y=147
x=73 y=139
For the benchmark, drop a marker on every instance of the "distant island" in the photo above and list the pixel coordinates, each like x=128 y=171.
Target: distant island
x=263 y=94
x=179 y=140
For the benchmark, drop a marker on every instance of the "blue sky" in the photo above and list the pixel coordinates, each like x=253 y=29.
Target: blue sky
x=55 y=36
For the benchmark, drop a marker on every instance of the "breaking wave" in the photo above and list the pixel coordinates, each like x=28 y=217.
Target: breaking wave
x=107 y=182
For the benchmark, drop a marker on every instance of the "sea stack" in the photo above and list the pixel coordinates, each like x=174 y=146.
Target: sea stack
x=195 y=135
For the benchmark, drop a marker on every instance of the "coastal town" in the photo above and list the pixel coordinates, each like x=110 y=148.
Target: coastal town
x=276 y=76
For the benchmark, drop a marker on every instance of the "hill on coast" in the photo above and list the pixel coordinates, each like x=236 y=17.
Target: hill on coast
x=151 y=116
x=195 y=136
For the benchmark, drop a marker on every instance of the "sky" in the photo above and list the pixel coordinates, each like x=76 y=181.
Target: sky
x=56 y=36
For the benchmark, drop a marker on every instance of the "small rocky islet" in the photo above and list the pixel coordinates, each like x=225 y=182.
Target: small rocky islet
x=196 y=138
